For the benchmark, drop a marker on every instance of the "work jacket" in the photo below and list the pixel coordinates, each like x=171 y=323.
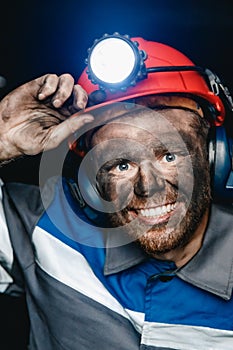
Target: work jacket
x=89 y=292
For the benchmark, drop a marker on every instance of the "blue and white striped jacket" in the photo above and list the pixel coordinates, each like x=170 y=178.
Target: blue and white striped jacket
x=84 y=296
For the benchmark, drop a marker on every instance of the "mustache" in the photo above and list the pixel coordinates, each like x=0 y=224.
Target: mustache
x=158 y=199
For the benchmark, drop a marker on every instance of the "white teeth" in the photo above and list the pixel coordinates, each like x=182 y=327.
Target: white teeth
x=164 y=209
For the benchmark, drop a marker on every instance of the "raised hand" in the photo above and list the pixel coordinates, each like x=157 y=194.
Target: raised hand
x=37 y=115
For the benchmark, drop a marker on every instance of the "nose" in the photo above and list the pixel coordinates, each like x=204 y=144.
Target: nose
x=149 y=180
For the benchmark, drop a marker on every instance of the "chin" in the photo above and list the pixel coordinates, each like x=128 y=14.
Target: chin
x=155 y=243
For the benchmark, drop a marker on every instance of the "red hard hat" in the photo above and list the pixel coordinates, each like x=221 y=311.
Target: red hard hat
x=189 y=82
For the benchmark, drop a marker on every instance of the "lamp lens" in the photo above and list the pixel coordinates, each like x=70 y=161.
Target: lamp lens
x=112 y=60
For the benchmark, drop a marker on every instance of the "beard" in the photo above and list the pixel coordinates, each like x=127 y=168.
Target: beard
x=181 y=226
x=160 y=240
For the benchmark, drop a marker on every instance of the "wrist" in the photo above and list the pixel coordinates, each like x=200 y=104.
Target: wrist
x=7 y=153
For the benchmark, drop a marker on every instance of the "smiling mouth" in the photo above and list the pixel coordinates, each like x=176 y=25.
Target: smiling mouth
x=158 y=211
x=154 y=215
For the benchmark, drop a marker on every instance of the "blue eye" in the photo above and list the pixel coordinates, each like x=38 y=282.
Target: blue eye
x=170 y=157
x=123 y=166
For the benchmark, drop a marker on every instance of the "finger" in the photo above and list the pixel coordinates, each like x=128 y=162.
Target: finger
x=64 y=90
x=80 y=97
x=49 y=84
x=60 y=132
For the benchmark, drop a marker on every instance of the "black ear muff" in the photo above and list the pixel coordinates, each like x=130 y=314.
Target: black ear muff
x=221 y=164
x=92 y=214
x=84 y=190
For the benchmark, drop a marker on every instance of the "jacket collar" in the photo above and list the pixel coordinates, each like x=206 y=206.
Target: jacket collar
x=210 y=269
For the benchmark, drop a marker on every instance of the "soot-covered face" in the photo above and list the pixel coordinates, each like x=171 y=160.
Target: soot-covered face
x=153 y=166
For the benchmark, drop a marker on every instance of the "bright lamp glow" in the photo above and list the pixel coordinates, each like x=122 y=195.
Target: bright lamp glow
x=112 y=60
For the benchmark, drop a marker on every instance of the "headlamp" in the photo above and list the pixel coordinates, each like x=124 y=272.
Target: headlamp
x=115 y=62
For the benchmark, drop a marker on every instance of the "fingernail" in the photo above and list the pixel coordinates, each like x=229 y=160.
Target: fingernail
x=57 y=103
x=41 y=96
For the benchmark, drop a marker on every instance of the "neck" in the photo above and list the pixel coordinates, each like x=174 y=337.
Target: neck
x=180 y=256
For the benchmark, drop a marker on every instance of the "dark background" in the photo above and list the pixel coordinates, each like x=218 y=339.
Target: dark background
x=48 y=36
x=43 y=36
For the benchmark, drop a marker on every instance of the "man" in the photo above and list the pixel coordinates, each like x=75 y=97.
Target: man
x=126 y=250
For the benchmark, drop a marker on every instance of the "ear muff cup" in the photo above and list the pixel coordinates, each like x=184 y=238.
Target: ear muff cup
x=84 y=190
x=220 y=159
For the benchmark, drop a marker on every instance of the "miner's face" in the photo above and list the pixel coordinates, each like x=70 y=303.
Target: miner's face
x=153 y=166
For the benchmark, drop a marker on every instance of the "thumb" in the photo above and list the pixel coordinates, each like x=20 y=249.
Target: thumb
x=69 y=126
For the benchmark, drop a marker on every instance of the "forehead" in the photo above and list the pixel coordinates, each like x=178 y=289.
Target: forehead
x=145 y=124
